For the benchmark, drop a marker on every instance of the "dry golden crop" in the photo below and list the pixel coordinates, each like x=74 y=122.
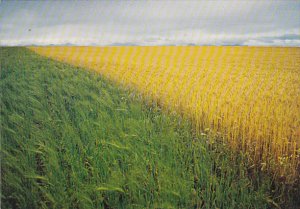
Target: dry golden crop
x=248 y=95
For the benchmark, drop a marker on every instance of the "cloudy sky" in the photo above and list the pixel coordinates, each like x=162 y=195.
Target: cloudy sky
x=150 y=22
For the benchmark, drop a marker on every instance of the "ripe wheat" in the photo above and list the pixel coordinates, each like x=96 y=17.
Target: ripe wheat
x=248 y=95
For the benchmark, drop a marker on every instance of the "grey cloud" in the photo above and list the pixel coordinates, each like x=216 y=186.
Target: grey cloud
x=289 y=37
x=150 y=22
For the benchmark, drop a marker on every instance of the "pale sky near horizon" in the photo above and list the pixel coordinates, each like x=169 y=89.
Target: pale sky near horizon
x=268 y=23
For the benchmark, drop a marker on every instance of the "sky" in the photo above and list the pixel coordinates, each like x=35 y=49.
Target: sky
x=150 y=23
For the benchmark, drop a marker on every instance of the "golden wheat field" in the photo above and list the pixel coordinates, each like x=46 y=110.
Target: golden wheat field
x=248 y=96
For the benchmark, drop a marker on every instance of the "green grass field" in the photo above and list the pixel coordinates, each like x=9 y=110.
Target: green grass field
x=71 y=139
